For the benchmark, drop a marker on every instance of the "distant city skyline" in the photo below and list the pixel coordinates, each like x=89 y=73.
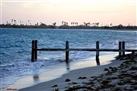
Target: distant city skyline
x=49 y=11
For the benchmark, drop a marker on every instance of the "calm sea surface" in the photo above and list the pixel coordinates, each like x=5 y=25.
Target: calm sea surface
x=15 y=47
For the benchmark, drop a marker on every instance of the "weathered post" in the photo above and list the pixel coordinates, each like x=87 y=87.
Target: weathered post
x=120 y=53
x=97 y=53
x=35 y=50
x=32 y=51
x=67 y=52
x=133 y=55
x=123 y=48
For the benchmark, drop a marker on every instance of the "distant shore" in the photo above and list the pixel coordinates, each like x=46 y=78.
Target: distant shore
x=118 y=27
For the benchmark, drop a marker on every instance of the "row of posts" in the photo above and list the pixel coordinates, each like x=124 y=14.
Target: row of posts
x=34 y=51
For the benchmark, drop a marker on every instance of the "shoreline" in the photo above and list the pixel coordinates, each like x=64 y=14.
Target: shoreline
x=56 y=71
x=119 y=75
x=74 y=74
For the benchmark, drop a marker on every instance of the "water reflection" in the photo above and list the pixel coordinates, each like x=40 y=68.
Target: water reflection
x=36 y=78
x=36 y=68
x=67 y=66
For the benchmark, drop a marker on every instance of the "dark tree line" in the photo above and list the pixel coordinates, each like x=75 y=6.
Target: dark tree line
x=65 y=25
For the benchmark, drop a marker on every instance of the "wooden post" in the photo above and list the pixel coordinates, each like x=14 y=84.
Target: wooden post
x=133 y=55
x=67 y=52
x=35 y=50
x=97 y=53
x=32 y=51
x=120 y=53
x=123 y=48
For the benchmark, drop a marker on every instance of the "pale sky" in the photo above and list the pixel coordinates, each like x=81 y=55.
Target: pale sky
x=49 y=11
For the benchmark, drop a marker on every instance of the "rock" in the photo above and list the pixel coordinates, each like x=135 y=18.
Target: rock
x=116 y=89
x=122 y=75
x=108 y=73
x=67 y=80
x=106 y=69
x=80 y=88
x=113 y=69
x=82 y=77
x=105 y=82
x=128 y=88
x=121 y=82
x=55 y=86
x=133 y=68
x=93 y=77
x=127 y=79
x=74 y=83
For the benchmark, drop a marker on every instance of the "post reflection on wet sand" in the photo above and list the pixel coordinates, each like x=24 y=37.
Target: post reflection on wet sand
x=35 y=77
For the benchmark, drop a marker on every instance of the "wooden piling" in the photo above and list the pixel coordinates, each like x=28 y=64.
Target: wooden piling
x=123 y=48
x=32 y=51
x=35 y=50
x=97 y=53
x=67 y=52
x=120 y=48
x=133 y=55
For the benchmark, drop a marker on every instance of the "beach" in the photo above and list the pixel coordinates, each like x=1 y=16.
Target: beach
x=77 y=78
x=58 y=70
x=73 y=76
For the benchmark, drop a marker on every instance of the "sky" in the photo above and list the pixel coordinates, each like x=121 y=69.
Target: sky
x=49 y=11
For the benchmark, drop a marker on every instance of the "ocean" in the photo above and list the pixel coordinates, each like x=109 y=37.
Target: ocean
x=15 y=48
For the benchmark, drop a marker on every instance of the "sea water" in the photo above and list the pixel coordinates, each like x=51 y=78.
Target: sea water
x=15 y=49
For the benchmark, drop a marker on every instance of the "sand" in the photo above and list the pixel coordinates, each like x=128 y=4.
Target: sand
x=62 y=82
